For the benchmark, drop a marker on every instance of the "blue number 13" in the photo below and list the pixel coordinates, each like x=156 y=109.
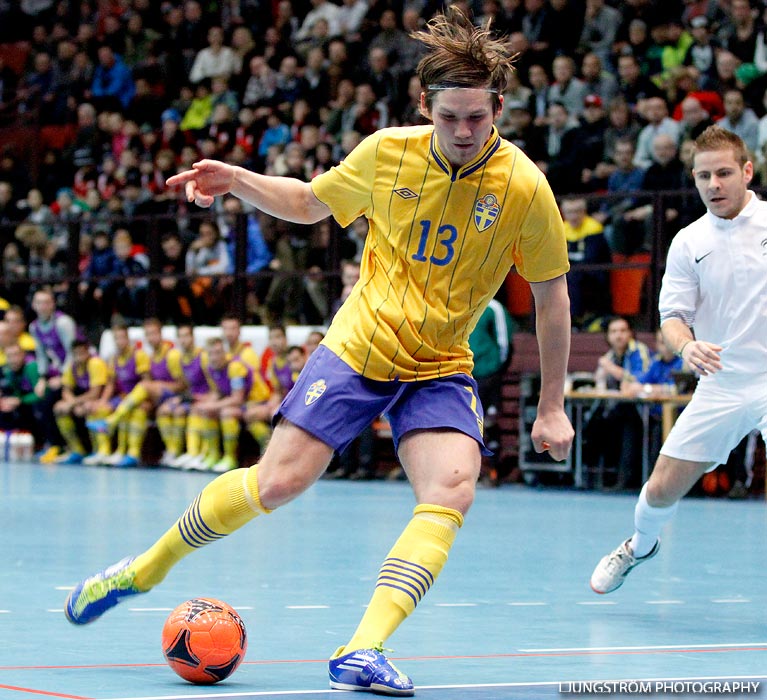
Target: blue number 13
x=446 y=236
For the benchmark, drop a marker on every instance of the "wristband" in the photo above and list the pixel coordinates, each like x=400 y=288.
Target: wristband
x=679 y=352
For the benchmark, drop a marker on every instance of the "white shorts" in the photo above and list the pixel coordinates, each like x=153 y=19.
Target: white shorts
x=723 y=410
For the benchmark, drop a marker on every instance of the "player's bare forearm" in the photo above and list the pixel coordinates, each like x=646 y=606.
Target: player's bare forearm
x=552 y=429
x=283 y=197
x=552 y=309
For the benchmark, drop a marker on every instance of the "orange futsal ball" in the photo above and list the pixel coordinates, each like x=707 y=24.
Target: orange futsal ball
x=204 y=640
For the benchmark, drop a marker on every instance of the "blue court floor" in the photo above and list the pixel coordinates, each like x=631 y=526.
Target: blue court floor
x=512 y=615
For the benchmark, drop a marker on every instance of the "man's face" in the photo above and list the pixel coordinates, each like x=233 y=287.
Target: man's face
x=296 y=360
x=43 y=305
x=722 y=182
x=574 y=212
x=153 y=335
x=80 y=354
x=277 y=341
x=217 y=355
x=15 y=323
x=618 y=335
x=734 y=105
x=185 y=338
x=231 y=331
x=463 y=120
x=121 y=339
x=14 y=355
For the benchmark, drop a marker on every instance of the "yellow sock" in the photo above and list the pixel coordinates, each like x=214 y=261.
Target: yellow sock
x=225 y=504
x=136 y=431
x=179 y=426
x=135 y=398
x=230 y=436
x=165 y=426
x=194 y=435
x=261 y=432
x=210 y=441
x=122 y=437
x=68 y=430
x=101 y=442
x=408 y=572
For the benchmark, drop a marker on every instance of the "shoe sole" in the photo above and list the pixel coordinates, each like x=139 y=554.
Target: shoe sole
x=374 y=688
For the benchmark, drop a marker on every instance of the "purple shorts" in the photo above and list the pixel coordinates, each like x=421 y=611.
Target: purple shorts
x=334 y=403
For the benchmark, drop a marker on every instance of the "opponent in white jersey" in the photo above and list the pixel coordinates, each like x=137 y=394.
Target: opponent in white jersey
x=713 y=308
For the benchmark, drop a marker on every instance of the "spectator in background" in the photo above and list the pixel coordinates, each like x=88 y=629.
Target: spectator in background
x=600 y=27
x=539 y=83
x=586 y=245
x=634 y=86
x=739 y=119
x=624 y=236
x=113 y=87
x=695 y=119
x=701 y=54
x=53 y=332
x=738 y=35
x=129 y=288
x=655 y=111
x=597 y=80
x=591 y=145
x=207 y=260
x=518 y=128
x=20 y=405
x=215 y=60
x=560 y=165
x=321 y=9
x=613 y=433
x=257 y=252
x=492 y=343
x=94 y=289
x=567 y=89
x=41 y=90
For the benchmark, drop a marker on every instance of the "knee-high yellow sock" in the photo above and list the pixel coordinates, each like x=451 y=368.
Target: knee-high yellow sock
x=135 y=398
x=68 y=430
x=122 y=437
x=408 y=572
x=101 y=442
x=179 y=426
x=210 y=439
x=230 y=436
x=194 y=435
x=225 y=504
x=165 y=426
x=261 y=432
x=136 y=431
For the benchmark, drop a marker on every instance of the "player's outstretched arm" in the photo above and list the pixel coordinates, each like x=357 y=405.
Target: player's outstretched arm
x=552 y=430
x=283 y=197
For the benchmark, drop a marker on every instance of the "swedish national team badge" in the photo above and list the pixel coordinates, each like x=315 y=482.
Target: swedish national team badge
x=486 y=211
x=314 y=392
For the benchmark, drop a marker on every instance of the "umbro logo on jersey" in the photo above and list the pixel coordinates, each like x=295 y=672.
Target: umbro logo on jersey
x=697 y=260
x=764 y=246
x=314 y=392
x=405 y=193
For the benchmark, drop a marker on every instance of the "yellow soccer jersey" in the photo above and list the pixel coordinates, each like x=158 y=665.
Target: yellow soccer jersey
x=441 y=242
x=79 y=379
x=26 y=342
x=165 y=364
x=246 y=354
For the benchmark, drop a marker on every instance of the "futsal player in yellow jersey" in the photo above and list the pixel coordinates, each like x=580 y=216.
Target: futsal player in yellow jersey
x=451 y=207
x=83 y=382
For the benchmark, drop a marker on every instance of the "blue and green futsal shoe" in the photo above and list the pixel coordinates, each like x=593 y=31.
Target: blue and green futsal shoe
x=368 y=670
x=93 y=596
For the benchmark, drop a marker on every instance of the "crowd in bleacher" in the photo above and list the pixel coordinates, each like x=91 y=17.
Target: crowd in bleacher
x=122 y=94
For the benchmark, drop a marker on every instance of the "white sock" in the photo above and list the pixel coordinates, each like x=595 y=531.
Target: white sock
x=648 y=522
